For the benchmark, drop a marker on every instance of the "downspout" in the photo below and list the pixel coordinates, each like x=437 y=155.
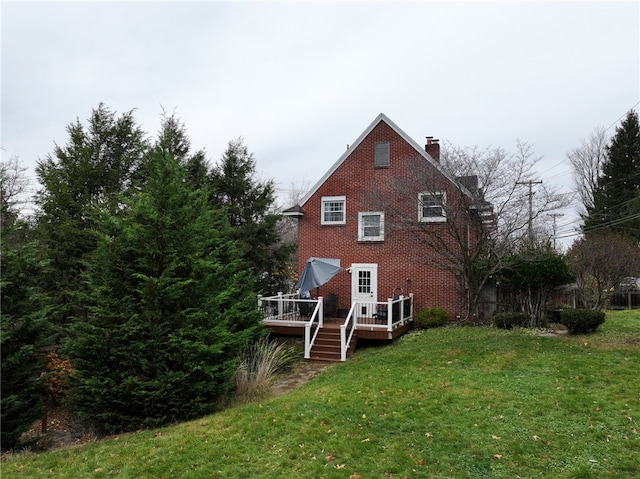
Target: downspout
x=467 y=279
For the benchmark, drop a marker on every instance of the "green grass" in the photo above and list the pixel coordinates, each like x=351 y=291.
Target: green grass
x=441 y=403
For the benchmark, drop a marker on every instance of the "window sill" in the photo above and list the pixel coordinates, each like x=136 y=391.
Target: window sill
x=433 y=220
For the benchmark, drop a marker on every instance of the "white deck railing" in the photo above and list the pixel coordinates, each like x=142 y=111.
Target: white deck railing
x=346 y=332
x=291 y=310
x=375 y=315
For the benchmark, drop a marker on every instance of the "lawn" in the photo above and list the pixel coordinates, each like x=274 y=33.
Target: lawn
x=442 y=403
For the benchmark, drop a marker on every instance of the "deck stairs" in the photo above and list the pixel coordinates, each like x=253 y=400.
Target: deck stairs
x=327 y=345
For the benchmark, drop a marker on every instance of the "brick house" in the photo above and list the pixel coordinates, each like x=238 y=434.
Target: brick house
x=373 y=209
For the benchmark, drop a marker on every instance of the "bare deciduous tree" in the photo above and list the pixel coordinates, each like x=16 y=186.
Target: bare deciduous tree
x=587 y=161
x=287 y=226
x=13 y=184
x=502 y=179
x=602 y=262
x=485 y=223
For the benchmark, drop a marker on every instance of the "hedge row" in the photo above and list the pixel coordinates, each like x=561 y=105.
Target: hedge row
x=577 y=321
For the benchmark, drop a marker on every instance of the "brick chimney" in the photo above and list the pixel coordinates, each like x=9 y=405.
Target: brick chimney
x=433 y=148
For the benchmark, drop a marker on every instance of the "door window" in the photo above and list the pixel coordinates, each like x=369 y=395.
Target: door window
x=364 y=282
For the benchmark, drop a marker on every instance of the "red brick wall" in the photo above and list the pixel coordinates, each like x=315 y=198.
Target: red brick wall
x=400 y=257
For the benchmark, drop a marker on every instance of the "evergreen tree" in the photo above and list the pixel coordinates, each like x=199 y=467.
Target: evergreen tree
x=99 y=163
x=616 y=205
x=22 y=333
x=174 y=139
x=170 y=308
x=531 y=274
x=249 y=205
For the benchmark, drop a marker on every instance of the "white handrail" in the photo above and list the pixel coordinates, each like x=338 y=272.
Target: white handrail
x=344 y=340
x=310 y=339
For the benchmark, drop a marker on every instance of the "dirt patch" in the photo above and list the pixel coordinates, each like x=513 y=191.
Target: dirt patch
x=304 y=372
x=550 y=333
x=59 y=429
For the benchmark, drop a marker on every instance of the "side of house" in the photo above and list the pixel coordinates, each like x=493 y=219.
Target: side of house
x=371 y=210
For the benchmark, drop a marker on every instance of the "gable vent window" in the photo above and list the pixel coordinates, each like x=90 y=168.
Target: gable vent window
x=381 y=155
x=431 y=207
x=333 y=210
x=371 y=226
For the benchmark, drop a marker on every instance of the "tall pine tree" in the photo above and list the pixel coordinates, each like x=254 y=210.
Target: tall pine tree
x=250 y=208
x=617 y=195
x=99 y=163
x=23 y=331
x=170 y=308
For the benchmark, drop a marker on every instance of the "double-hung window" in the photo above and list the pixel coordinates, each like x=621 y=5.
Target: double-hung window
x=371 y=226
x=334 y=210
x=431 y=207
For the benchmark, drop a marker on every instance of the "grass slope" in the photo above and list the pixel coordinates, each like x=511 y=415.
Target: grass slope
x=444 y=403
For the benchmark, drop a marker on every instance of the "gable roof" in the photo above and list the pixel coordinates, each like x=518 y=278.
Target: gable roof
x=420 y=150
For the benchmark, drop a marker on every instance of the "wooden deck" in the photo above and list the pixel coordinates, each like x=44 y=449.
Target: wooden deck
x=330 y=338
x=364 y=330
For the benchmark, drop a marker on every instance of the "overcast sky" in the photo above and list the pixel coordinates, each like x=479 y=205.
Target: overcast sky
x=301 y=80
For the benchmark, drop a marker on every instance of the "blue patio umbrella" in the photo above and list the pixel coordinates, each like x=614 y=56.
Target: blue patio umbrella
x=317 y=272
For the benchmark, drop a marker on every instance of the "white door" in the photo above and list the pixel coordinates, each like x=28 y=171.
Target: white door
x=364 y=287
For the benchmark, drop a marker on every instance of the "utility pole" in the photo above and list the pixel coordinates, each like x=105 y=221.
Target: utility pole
x=554 y=216
x=530 y=183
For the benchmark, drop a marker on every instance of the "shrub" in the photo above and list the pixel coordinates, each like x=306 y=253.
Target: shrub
x=511 y=320
x=581 y=320
x=431 y=318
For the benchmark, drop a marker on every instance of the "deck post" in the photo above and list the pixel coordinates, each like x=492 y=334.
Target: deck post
x=389 y=314
x=307 y=341
x=280 y=305
x=411 y=310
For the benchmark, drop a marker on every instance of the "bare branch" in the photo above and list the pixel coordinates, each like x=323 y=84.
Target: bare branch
x=587 y=161
x=13 y=184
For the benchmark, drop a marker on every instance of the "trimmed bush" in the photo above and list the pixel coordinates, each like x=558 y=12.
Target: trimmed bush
x=431 y=318
x=511 y=320
x=581 y=320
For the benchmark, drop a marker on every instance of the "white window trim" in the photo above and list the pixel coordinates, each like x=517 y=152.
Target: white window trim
x=334 y=199
x=361 y=236
x=432 y=219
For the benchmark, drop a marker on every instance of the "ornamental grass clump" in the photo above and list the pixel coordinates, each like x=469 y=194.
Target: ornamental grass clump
x=258 y=366
x=431 y=318
x=581 y=320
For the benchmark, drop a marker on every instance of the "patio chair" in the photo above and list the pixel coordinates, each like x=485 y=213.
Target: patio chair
x=305 y=309
x=382 y=314
x=331 y=306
